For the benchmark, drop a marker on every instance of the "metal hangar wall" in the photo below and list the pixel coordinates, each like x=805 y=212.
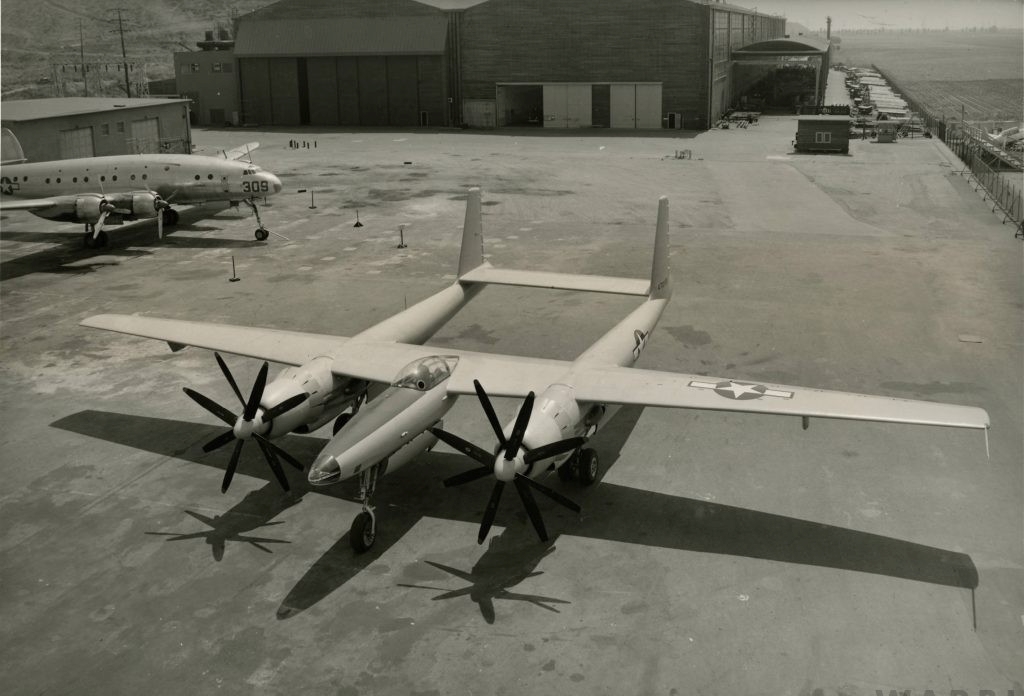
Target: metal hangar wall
x=487 y=63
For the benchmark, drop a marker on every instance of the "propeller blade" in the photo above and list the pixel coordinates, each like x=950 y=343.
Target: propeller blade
x=219 y=441
x=212 y=406
x=553 y=494
x=467 y=476
x=159 y=224
x=229 y=378
x=531 y=507
x=98 y=227
x=489 y=410
x=275 y=465
x=256 y=394
x=283 y=407
x=553 y=449
x=478 y=454
x=519 y=429
x=232 y=465
x=280 y=452
x=491 y=511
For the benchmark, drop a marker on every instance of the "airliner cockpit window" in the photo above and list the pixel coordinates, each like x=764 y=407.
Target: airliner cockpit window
x=426 y=373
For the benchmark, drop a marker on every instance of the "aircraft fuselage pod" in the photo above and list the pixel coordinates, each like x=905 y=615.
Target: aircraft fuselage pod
x=392 y=430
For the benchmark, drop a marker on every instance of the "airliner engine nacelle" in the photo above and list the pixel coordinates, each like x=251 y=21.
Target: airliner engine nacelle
x=89 y=208
x=139 y=204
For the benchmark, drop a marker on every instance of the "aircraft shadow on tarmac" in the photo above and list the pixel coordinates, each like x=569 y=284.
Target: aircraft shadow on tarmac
x=69 y=256
x=624 y=514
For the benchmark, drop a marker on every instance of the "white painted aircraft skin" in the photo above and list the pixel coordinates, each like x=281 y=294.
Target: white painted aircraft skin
x=575 y=397
x=132 y=187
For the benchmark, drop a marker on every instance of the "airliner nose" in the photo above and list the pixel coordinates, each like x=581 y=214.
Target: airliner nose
x=275 y=182
x=325 y=470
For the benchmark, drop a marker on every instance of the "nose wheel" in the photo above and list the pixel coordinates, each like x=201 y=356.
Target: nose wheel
x=262 y=234
x=363 y=531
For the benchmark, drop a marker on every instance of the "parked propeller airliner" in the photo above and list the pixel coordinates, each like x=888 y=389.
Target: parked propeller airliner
x=98 y=191
x=410 y=388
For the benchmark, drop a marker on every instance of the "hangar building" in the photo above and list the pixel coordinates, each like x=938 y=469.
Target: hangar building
x=70 y=127
x=485 y=63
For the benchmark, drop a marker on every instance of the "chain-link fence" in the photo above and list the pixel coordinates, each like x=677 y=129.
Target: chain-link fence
x=987 y=167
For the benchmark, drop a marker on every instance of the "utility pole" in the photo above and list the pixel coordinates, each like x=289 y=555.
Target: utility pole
x=81 y=54
x=124 y=55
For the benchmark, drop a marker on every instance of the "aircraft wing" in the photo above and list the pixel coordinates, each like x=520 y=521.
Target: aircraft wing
x=26 y=204
x=288 y=347
x=621 y=385
x=240 y=151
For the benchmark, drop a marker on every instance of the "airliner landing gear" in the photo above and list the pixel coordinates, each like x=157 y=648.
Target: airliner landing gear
x=363 y=532
x=262 y=233
x=170 y=216
x=90 y=242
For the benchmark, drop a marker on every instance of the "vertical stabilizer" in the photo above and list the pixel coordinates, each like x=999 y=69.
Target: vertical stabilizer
x=661 y=283
x=10 y=148
x=472 y=235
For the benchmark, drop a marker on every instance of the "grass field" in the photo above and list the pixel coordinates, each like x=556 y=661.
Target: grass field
x=980 y=72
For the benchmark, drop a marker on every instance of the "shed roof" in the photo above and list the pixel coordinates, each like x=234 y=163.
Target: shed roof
x=54 y=107
x=340 y=36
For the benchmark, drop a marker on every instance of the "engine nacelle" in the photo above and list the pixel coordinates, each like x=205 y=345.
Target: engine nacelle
x=89 y=208
x=328 y=395
x=138 y=204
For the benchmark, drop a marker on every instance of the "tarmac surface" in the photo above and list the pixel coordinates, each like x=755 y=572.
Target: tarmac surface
x=719 y=554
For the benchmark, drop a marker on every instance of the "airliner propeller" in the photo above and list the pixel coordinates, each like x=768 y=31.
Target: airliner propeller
x=244 y=427
x=505 y=463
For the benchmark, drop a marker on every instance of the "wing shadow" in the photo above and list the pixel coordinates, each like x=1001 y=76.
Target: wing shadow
x=627 y=515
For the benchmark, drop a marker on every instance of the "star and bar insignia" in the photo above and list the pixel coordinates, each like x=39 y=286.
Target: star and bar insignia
x=741 y=391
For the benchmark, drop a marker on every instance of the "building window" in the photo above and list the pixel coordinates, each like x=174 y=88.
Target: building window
x=822 y=137
x=105 y=129
x=120 y=126
x=215 y=67
x=193 y=67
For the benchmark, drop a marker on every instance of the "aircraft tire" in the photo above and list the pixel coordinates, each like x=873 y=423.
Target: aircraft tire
x=363 y=533
x=102 y=239
x=588 y=468
x=340 y=422
x=87 y=240
x=170 y=216
x=567 y=472
x=262 y=233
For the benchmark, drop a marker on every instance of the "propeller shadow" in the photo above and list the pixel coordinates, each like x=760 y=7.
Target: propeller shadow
x=627 y=515
x=255 y=511
x=511 y=558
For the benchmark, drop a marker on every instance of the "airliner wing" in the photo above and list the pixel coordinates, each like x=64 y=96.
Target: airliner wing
x=26 y=204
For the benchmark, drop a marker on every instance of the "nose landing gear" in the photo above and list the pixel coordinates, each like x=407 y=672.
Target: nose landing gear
x=262 y=233
x=363 y=532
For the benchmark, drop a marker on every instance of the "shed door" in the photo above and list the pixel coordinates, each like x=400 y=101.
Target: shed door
x=145 y=135
x=76 y=143
x=623 y=106
x=648 y=106
x=556 y=106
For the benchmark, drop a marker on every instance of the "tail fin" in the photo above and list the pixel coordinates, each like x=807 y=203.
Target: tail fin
x=661 y=280
x=472 y=255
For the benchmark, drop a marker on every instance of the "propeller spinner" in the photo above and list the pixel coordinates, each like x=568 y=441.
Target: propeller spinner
x=508 y=463
x=245 y=426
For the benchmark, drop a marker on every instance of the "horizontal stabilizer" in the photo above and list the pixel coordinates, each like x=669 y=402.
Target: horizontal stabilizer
x=557 y=281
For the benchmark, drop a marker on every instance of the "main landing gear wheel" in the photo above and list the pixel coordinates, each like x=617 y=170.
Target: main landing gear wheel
x=262 y=233
x=363 y=532
x=587 y=466
x=97 y=242
x=170 y=216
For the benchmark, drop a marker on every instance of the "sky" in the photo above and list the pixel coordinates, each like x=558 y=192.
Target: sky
x=892 y=14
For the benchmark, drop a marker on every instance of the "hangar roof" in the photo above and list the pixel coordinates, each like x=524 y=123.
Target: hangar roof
x=340 y=36
x=806 y=45
x=54 y=107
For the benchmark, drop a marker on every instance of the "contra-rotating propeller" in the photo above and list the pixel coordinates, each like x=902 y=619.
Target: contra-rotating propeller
x=504 y=464
x=243 y=427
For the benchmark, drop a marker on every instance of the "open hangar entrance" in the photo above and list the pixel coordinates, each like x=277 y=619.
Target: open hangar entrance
x=779 y=75
x=579 y=104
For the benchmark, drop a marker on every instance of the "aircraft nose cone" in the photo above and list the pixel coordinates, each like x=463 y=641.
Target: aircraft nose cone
x=325 y=470
x=276 y=183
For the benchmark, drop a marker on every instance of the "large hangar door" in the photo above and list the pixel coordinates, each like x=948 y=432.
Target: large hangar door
x=373 y=90
x=76 y=143
x=556 y=106
x=323 y=93
x=623 y=106
x=145 y=135
x=648 y=106
x=284 y=91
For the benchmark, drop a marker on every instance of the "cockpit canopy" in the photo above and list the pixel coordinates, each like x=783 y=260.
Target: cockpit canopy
x=426 y=373
x=253 y=169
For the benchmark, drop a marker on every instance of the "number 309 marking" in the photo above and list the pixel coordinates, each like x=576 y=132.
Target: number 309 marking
x=255 y=186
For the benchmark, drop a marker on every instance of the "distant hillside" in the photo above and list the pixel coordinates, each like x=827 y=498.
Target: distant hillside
x=36 y=33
